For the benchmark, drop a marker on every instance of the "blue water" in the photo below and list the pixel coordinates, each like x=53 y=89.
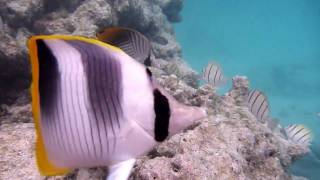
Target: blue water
x=275 y=43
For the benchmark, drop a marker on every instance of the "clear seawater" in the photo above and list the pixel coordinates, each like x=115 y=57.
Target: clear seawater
x=275 y=43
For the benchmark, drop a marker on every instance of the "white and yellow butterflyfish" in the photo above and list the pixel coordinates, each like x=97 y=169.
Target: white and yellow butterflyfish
x=94 y=104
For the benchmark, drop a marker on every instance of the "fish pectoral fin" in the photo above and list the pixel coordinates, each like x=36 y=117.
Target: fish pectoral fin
x=128 y=40
x=121 y=171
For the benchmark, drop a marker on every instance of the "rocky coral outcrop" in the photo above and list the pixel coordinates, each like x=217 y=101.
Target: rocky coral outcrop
x=229 y=144
x=19 y=19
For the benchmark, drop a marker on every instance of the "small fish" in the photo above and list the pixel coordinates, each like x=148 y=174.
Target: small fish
x=258 y=105
x=130 y=41
x=298 y=134
x=213 y=74
x=94 y=105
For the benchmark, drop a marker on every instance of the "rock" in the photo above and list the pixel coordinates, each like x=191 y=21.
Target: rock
x=20 y=111
x=240 y=90
x=92 y=173
x=171 y=9
x=17 y=151
x=181 y=70
x=19 y=19
x=20 y=13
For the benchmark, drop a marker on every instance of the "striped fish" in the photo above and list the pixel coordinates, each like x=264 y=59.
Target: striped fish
x=298 y=134
x=94 y=105
x=130 y=41
x=258 y=105
x=213 y=75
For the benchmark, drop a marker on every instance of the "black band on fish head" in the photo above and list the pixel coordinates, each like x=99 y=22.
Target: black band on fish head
x=162 y=111
x=48 y=76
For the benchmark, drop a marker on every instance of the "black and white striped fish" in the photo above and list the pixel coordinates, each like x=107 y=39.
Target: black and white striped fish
x=213 y=74
x=298 y=134
x=94 y=105
x=258 y=105
x=130 y=41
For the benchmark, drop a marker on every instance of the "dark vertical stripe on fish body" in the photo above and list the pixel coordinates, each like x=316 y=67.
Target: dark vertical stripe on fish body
x=101 y=94
x=162 y=111
x=254 y=101
x=149 y=73
x=297 y=131
x=89 y=71
x=264 y=111
x=115 y=89
x=93 y=94
x=251 y=95
x=48 y=77
x=305 y=135
x=215 y=76
x=105 y=82
x=88 y=113
x=258 y=104
x=220 y=76
x=209 y=73
x=258 y=112
x=292 y=128
x=104 y=95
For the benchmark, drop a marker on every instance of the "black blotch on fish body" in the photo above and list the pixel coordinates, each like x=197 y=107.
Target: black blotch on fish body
x=162 y=111
x=149 y=73
x=48 y=76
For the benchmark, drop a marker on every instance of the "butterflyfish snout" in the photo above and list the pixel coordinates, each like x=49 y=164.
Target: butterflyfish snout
x=95 y=102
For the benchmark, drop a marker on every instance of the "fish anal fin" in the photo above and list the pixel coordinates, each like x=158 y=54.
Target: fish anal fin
x=121 y=171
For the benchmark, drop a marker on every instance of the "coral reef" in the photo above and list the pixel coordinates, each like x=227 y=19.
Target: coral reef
x=19 y=19
x=230 y=143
